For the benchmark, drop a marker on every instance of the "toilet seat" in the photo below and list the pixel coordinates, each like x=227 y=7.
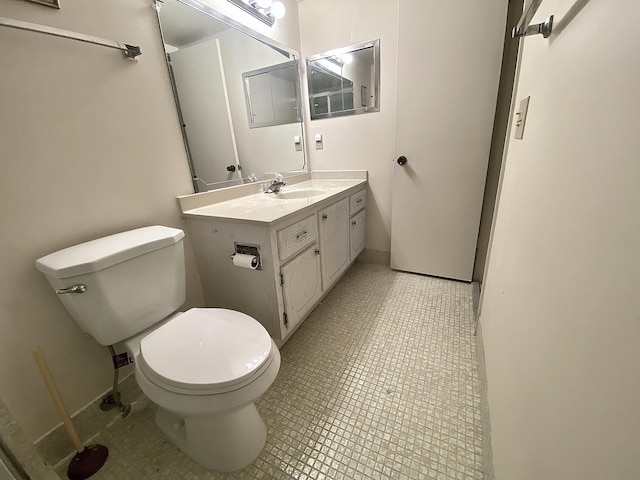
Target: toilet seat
x=206 y=351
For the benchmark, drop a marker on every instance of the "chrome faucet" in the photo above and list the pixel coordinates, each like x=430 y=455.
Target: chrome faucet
x=276 y=185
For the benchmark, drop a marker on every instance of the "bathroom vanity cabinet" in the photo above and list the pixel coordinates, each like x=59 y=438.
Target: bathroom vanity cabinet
x=303 y=253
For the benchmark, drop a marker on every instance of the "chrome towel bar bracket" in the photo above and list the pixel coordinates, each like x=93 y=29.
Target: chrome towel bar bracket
x=524 y=27
x=543 y=29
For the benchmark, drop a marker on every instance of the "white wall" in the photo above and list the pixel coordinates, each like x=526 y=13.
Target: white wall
x=90 y=145
x=561 y=311
x=362 y=141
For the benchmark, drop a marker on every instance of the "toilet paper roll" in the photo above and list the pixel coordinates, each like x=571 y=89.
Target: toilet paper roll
x=245 y=261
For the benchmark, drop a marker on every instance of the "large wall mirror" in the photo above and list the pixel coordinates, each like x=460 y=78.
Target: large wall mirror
x=238 y=98
x=345 y=81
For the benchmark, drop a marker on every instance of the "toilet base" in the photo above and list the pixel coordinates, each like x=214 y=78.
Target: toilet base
x=225 y=442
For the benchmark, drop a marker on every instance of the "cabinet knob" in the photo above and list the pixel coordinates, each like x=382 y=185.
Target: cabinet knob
x=231 y=168
x=325 y=216
x=354 y=223
x=402 y=160
x=317 y=251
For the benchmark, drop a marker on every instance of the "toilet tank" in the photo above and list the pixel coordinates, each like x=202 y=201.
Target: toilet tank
x=133 y=280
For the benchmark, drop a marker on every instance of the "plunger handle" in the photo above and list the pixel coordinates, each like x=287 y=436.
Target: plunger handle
x=57 y=399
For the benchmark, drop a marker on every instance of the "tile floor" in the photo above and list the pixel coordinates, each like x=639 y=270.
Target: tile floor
x=380 y=382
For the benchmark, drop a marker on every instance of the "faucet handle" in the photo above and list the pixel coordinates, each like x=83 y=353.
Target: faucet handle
x=278 y=176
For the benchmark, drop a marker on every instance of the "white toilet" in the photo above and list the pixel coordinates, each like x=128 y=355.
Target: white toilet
x=204 y=368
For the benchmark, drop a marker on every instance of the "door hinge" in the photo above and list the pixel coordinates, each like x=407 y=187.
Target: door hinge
x=285 y=320
x=281 y=279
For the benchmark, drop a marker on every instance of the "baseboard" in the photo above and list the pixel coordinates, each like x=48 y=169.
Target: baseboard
x=20 y=451
x=487 y=449
x=55 y=445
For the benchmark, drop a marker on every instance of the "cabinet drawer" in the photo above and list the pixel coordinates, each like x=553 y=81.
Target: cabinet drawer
x=357 y=201
x=295 y=237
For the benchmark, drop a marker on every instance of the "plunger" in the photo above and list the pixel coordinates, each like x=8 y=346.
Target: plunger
x=87 y=460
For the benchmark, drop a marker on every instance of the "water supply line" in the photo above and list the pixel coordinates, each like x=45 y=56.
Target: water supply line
x=112 y=399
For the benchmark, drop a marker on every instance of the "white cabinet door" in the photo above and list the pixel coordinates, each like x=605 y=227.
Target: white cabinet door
x=357 y=234
x=334 y=241
x=301 y=286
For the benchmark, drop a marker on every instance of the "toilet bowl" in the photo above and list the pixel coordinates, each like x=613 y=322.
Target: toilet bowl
x=203 y=368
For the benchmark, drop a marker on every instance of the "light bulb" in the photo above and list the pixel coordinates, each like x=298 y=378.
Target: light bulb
x=278 y=10
x=264 y=3
x=346 y=58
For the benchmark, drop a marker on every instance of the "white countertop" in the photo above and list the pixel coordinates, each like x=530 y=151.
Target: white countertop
x=269 y=208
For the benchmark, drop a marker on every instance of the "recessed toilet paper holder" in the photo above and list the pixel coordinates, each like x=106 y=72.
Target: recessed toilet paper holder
x=248 y=249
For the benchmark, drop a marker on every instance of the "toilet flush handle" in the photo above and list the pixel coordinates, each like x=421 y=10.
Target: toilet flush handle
x=80 y=288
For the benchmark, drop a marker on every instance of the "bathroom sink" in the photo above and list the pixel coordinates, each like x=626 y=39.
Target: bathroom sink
x=298 y=193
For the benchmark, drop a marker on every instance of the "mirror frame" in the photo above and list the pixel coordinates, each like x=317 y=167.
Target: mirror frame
x=357 y=110
x=284 y=49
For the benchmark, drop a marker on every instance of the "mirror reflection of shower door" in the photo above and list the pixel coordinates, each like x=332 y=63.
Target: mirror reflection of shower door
x=447 y=88
x=204 y=103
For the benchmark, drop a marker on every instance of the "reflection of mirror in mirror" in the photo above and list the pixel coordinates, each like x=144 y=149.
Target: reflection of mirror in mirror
x=209 y=62
x=344 y=81
x=272 y=95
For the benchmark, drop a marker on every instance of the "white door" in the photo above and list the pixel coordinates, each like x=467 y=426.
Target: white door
x=449 y=56
x=260 y=98
x=204 y=104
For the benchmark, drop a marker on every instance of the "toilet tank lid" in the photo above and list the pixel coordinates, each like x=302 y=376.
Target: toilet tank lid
x=107 y=251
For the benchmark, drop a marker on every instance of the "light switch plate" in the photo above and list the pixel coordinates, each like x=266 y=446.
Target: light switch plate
x=521 y=117
x=319 y=142
x=297 y=141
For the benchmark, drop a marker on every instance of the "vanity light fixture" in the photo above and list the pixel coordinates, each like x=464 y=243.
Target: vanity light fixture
x=266 y=11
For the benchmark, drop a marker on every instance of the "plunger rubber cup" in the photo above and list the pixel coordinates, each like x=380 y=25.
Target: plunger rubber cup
x=87 y=462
